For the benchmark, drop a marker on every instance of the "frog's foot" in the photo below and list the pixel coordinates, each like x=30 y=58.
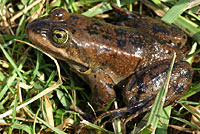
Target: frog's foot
x=134 y=111
x=124 y=13
x=121 y=112
x=115 y=113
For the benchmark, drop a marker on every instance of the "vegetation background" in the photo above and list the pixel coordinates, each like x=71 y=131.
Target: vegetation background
x=33 y=98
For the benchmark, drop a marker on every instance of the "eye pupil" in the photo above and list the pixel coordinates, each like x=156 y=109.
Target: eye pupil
x=59 y=36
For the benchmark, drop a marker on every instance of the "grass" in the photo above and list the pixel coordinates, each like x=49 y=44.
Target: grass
x=36 y=98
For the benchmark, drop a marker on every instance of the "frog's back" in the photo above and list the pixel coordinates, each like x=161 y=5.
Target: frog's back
x=94 y=33
x=117 y=48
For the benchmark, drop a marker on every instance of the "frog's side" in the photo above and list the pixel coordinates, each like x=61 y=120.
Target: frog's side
x=104 y=55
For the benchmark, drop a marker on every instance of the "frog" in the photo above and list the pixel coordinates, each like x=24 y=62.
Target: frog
x=107 y=55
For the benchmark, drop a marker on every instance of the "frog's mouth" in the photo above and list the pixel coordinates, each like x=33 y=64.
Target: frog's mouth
x=39 y=34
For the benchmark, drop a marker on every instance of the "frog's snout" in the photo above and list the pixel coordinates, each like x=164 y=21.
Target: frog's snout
x=30 y=30
x=37 y=31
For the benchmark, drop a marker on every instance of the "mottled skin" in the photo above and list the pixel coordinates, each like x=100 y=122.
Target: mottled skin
x=154 y=27
x=105 y=55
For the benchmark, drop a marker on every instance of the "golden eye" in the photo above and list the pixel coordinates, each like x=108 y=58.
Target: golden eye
x=59 y=36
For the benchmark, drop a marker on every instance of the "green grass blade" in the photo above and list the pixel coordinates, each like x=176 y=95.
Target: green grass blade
x=39 y=55
x=13 y=115
x=164 y=119
x=195 y=89
x=192 y=51
x=101 y=8
x=51 y=77
x=175 y=11
x=12 y=63
x=23 y=127
x=95 y=11
x=96 y=127
x=11 y=79
x=187 y=122
x=159 y=101
x=188 y=102
x=63 y=99
x=2 y=76
x=35 y=118
x=193 y=113
x=51 y=127
x=189 y=27
x=3 y=3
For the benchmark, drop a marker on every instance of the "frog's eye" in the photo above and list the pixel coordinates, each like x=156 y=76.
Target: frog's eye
x=58 y=14
x=59 y=36
x=54 y=8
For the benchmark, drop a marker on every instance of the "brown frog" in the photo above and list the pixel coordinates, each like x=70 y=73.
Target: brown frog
x=105 y=55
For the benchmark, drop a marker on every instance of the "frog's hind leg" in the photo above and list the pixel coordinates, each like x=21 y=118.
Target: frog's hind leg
x=125 y=14
x=148 y=81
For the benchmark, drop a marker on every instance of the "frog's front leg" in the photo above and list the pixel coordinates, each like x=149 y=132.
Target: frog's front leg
x=102 y=88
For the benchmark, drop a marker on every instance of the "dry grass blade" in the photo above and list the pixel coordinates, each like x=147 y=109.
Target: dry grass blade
x=24 y=11
x=49 y=110
x=183 y=129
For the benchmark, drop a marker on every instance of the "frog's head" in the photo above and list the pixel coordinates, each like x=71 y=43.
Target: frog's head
x=52 y=35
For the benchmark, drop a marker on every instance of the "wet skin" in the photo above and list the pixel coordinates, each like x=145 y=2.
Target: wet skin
x=105 y=55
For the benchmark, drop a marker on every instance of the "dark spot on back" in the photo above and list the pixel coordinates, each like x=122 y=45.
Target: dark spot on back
x=105 y=36
x=120 y=32
x=92 y=30
x=121 y=43
x=74 y=17
x=159 y=29
x=65 y=22
x=96 y=22
x=136 y=25
x=73 y=31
